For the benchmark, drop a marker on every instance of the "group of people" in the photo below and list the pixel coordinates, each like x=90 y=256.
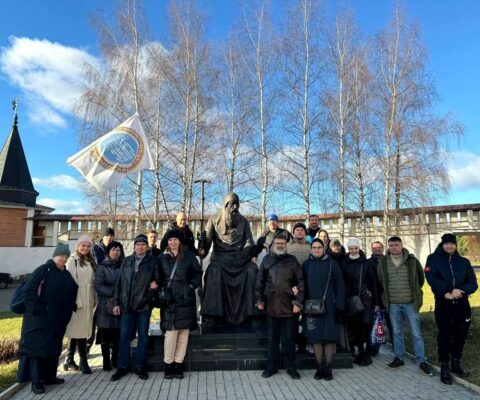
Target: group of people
x=304 y=280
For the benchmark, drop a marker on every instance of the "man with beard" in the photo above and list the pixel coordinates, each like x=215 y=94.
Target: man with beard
x=185 y=234
x=313 y=227
x=229 y=281
x=278 y=274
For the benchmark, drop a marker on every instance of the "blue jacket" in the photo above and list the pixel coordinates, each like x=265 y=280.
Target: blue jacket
x=445 y=272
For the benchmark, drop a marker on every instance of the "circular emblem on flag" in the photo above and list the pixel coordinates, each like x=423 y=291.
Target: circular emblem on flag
x=121 y=150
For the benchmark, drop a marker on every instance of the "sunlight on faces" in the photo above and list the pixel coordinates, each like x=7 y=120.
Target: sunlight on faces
x=354 y=250
x=114 y=253
x=299 y=234
x=317 y=249
x=395 y=248
x=141 y=248
x=449 y=248
x=377 y=249
x=313 y=222
x=181 y=219
x=107 y=239
x=272 y=225
x=152 y=239
x=336 y=249
x=279 y=246
x=84 y=248
x=173 y=244
x=60 y=261
x=323 y=236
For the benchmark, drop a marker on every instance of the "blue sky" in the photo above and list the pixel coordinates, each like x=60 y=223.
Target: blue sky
x=44 y=43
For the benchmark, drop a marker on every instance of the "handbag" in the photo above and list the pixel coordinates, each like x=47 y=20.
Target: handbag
x=166 y=293
x=317 y=306
x=354 y=304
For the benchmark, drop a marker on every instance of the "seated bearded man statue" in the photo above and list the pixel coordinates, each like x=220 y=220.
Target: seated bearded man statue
x=229 y=281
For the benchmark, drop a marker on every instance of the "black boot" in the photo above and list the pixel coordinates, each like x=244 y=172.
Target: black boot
x=115 y=350
x=69 y=361
x=457 y=368
x=319 y=372
x=82 y=351
x=107 y=365
x=327 y=372
x=169 y=373
x=445 y=376
x=38 y=388
x=178 y=370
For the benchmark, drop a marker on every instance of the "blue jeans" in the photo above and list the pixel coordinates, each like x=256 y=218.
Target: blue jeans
x=129 y=322
x=397 y=313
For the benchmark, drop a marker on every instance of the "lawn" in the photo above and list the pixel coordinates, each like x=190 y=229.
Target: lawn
x=10 y=327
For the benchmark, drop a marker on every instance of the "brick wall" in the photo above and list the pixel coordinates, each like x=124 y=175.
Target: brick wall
x=12 y=227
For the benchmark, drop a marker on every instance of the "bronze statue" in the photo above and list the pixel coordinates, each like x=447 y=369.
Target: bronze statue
x=229 y=281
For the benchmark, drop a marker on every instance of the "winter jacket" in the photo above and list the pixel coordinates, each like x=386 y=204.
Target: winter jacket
x=368 y=284
x=46 y=317
x=445 y=272
x=416 y=278
x=182 y=314
x=319 y=328
x=81 y=324
x=106 y=276
x=132 y=288
x=301 y=250
x=276 y=277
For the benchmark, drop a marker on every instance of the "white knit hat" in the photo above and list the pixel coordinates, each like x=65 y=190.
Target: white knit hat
x=354 y=242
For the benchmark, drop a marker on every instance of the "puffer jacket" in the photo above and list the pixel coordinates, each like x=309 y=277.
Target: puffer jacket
x=276 y=277
x=181 y=314
x=132 y=289
x=416 y=278
x=445 y=272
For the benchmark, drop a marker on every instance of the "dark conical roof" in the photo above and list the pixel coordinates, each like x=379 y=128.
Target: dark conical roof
x=15 y=181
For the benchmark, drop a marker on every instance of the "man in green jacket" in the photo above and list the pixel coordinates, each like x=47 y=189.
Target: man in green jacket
x=401 y=278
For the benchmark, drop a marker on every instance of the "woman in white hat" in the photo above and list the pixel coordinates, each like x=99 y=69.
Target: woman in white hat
x=82 y=266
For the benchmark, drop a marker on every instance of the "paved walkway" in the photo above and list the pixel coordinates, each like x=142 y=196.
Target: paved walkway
x=373 y=382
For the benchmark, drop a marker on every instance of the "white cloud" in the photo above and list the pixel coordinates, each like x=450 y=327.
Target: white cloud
x=64 y=206
x=464 y=170
x=49 y=74
x=63 y=182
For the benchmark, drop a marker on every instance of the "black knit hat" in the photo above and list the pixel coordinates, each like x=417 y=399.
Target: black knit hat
x=172 y=233
x=140 y=239
x=300 y=225
x=449 y=238
x=108 y=231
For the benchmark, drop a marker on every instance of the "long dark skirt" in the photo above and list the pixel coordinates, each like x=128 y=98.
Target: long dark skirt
x=37 y=370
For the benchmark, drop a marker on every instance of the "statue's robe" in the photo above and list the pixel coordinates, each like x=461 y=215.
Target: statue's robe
x=229 y=281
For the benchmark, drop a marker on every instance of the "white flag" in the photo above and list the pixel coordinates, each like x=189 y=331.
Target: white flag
x=112 y=156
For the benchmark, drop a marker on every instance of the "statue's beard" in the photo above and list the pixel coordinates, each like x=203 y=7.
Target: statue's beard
x=231 y=218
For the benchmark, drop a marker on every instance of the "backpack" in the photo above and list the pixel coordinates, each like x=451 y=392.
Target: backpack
x=17 y=301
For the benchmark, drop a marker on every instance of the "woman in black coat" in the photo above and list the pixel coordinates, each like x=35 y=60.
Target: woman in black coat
x=452 y=280
x=360 y=280
x=323 y=280
x=180 y=316
x=49 y=297
x=108 y=334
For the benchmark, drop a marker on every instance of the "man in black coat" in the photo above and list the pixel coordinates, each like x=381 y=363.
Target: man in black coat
x=277 y=275
x=138 y=276
x=185 y=234
x=452 y=280
x=100 y=248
